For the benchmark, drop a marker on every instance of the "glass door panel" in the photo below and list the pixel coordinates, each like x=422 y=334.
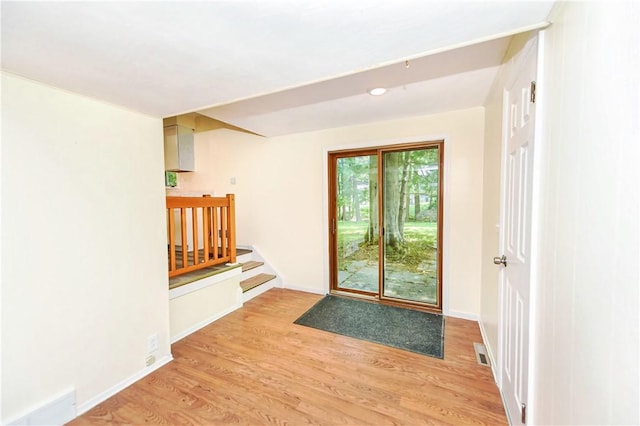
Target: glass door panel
x=356 y=223
x=411 y=200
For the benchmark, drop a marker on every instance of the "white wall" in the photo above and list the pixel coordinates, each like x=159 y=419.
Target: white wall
x=84 y=278
x=279 y=193
x=585 y=365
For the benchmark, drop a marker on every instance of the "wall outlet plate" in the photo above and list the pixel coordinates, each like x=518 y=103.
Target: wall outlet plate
x=150 y=360
x=152 y=343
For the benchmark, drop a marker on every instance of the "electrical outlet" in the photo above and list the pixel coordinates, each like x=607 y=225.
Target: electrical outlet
x=150 y=360
x=152 y=343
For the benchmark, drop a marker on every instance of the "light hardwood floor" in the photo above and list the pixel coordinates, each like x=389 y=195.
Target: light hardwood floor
x=254 y=366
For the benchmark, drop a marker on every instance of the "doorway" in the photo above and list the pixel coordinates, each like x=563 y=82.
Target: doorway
x=385 y=223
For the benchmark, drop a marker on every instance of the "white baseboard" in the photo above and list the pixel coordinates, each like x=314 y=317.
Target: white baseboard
x=57 y=411
x=83 y=408
x=487 y=347
x=204 y=323
x=304 y=289
x=462 y=315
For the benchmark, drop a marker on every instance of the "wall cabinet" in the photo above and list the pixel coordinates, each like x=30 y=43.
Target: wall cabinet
x=178 y=149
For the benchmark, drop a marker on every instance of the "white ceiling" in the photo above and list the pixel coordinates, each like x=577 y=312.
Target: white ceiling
x=271 y=66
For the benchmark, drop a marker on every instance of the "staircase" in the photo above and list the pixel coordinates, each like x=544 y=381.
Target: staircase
x=257 y=276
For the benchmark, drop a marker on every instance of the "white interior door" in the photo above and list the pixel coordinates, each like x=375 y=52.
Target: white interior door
x=516 y=237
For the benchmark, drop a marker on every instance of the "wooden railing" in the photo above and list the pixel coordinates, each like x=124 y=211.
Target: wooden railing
x=201 y=232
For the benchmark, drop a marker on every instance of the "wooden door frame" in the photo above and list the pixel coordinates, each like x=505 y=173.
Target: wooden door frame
x=332 y=157
x=380 y=150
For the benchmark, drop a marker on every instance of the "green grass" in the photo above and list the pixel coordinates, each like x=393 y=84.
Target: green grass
x=420 y=243
x=419 y=247
x=416 y=231
x=413 y=231
x=351 y=231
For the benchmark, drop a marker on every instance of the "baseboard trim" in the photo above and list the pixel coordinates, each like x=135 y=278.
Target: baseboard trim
x=204 y=323
x=487 y=347
x=462 y=315
x=58 y=410
x=83 y=408
x=304 y=289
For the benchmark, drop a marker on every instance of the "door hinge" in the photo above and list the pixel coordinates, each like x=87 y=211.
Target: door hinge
x=533 y=92
x=524 y=413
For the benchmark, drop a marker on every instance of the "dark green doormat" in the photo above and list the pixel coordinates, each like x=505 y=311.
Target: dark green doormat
x=406 y=329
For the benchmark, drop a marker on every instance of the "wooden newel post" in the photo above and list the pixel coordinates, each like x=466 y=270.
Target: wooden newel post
x=231 y=221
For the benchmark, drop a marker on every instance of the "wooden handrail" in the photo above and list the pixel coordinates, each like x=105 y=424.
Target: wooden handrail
x=209 y=240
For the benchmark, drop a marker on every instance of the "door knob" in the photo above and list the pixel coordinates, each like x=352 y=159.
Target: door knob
x=500 y=260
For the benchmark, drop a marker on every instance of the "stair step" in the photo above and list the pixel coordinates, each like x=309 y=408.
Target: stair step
x=252 y=264
x=241 y=251
x=253 y=282
x=244 y=255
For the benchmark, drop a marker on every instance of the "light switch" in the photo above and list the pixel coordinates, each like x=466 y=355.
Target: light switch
x=232 y=180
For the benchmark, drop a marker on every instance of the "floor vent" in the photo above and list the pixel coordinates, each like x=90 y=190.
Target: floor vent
x=481 y=354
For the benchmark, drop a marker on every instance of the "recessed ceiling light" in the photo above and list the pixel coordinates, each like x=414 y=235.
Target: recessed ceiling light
x=378 y=91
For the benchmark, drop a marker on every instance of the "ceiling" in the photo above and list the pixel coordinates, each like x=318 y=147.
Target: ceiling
x=273 y=67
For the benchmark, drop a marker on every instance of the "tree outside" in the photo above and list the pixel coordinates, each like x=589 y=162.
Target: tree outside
x=170 y=179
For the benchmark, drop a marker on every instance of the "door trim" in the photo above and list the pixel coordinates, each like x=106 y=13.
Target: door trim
x=441 y=200
x=331 y=224
x=379 y=148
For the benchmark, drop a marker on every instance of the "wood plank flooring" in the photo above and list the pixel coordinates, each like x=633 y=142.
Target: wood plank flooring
x=254 y=366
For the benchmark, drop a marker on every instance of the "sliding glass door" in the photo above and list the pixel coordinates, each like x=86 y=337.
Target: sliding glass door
x=398 y=262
